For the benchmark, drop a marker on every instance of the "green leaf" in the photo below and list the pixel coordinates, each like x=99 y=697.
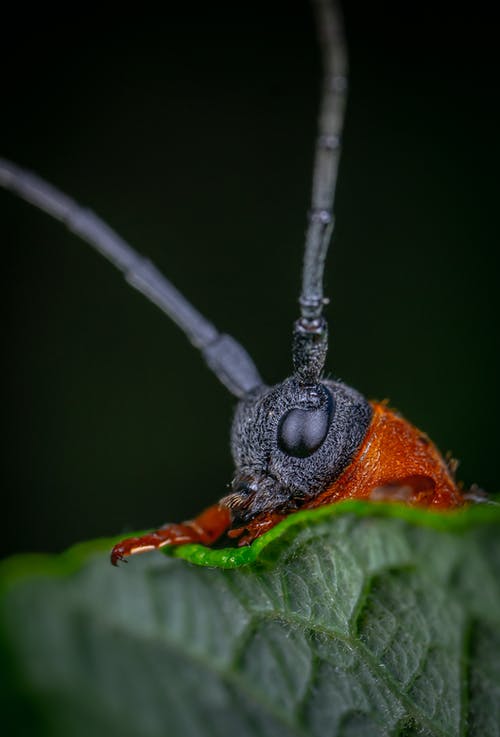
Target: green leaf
x=354 y=619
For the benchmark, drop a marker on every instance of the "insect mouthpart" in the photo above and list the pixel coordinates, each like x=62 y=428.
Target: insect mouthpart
x=252 y=494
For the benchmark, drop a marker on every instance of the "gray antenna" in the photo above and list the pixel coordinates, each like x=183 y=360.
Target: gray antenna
x=310 y=337
x=228 y=359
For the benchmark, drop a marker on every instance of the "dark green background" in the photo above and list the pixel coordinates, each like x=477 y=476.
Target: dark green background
x=192 y=134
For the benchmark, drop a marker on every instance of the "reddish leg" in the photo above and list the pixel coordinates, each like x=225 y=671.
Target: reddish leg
x=255 y=528
x=206 y=529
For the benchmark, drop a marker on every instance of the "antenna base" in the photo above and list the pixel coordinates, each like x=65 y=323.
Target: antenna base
x=309 y=349
x=232 y=365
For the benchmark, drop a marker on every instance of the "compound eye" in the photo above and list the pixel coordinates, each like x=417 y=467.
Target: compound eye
x=302 y=431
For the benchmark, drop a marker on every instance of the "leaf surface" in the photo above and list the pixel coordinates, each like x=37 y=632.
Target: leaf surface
x=355 y=619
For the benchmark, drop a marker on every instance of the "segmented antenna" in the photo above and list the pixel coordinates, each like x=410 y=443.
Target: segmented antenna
x=225 y=356
x=310 y=338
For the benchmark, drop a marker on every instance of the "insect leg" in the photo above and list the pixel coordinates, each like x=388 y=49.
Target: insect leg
x=206 y=528
x=255 y=528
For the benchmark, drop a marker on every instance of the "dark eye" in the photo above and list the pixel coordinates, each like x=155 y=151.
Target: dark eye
x=302 y=431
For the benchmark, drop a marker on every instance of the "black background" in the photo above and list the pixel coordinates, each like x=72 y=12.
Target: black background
x=192 y=134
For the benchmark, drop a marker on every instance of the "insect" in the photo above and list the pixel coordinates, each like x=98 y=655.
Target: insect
x=316 y=407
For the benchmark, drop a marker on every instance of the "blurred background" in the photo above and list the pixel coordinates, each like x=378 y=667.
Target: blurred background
x=193 y=137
